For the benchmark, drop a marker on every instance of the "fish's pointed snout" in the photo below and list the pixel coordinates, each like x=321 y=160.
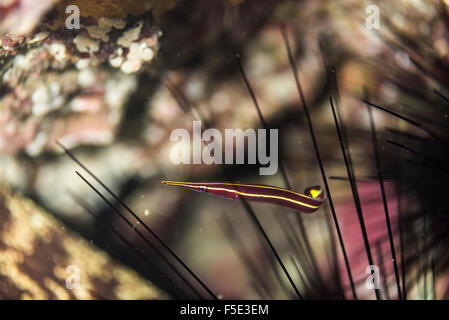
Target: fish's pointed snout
x=170 y=183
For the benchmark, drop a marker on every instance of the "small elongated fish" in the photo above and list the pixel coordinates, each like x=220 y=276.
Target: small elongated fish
x=308 y=202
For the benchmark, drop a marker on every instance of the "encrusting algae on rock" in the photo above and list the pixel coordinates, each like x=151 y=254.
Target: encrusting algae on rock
x=58 y=83
x=38 y=253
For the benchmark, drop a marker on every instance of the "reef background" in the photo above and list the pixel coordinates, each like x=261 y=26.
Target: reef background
x=111 y=93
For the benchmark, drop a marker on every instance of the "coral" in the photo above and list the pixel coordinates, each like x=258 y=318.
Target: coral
x=58 y=83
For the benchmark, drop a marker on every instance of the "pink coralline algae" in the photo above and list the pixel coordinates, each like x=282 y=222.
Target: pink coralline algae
x=68 y=85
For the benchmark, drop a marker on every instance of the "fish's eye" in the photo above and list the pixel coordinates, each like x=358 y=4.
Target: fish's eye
x=315 y=193
x=202 y=188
